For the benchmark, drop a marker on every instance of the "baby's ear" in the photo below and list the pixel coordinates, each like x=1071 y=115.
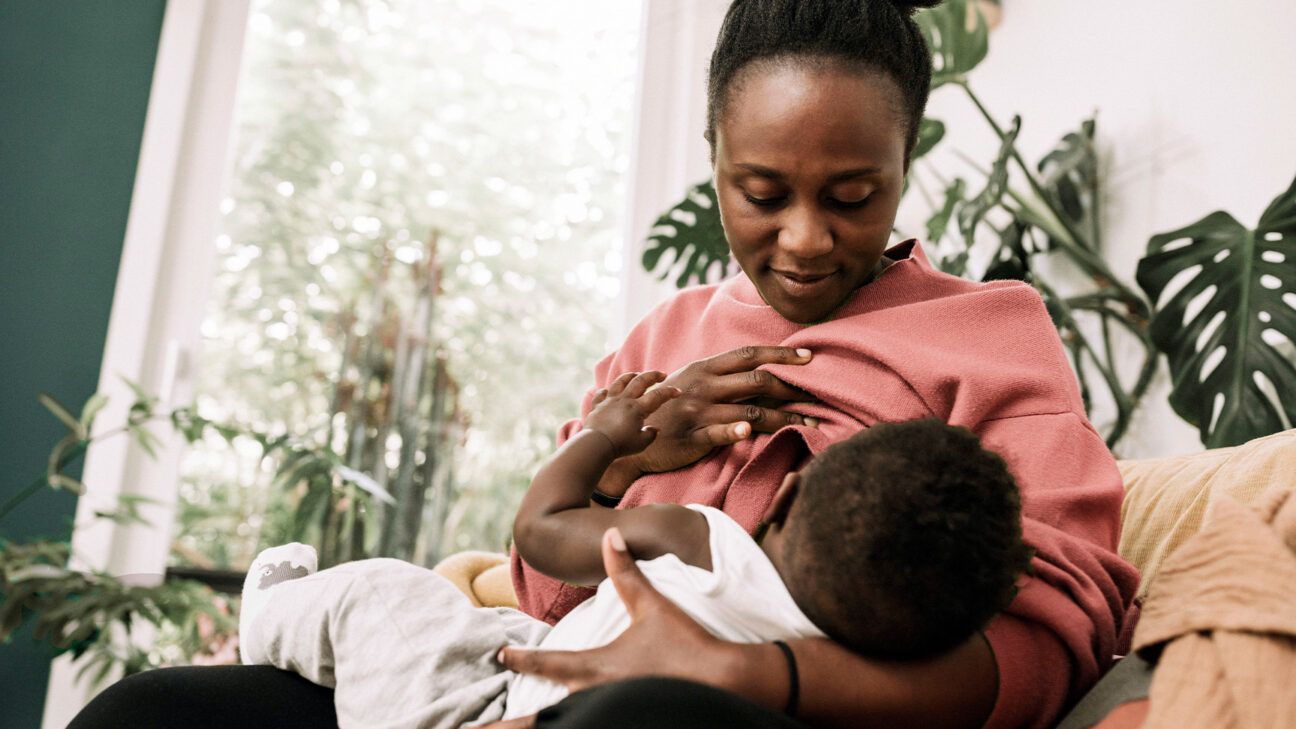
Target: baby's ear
x=783 y=498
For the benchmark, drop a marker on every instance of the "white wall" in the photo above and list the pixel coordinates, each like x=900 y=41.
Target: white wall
x=1197 y=109
x=669 y=153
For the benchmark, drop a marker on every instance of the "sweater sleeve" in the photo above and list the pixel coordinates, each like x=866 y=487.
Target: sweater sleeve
x=1068 y=618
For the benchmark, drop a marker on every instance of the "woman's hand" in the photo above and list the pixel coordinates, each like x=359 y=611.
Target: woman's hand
x=661 y=641
x=723 y=399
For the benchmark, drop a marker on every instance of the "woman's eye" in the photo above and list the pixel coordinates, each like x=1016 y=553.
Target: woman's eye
x=763 y=202
x=850 y=204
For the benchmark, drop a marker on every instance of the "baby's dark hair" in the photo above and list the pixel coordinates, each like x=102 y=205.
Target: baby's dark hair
x=904 y=539
x=864 y=35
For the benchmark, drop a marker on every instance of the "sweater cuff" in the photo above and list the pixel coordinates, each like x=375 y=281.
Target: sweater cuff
x=1034 y=674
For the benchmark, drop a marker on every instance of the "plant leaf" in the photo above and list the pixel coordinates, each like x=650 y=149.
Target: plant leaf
x=971 y=214
x=365 y=482
x=692 y=230
x=91 y=409
x=939 y=220
x=1229 y=331
x=60 y=412
x=146 y=439
x=1069 y=178
x=140 y=394
x=1010 y=260
x=69 y=446
x=36 y=572
x=61 y=481
x=930 y=132
x=956 y=48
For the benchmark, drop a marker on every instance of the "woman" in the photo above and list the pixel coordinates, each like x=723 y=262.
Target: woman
x=813 y=111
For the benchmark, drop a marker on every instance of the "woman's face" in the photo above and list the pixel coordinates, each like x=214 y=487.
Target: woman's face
x=809 y=166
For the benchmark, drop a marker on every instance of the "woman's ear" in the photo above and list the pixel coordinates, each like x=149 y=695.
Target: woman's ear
x=783 y=498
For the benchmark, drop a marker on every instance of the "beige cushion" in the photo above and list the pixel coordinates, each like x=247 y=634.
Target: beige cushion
x=1167 y=499
x=482 y=576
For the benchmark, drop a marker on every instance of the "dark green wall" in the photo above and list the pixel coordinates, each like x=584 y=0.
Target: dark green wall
x=74 y=85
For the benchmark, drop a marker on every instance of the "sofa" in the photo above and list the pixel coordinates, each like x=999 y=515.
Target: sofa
x=1167 y=500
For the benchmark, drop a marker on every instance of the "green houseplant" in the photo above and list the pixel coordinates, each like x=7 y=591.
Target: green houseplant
x=1228 y=329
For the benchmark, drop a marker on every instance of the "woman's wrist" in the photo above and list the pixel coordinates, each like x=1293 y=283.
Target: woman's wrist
x=755 y=671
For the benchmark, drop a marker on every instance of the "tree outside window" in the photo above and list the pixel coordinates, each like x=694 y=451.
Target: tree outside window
x=417 y=264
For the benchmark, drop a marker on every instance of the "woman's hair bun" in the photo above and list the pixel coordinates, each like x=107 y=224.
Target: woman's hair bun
x=909 y=7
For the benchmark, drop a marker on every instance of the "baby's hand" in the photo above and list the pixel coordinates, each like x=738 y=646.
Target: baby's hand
x=620 y=409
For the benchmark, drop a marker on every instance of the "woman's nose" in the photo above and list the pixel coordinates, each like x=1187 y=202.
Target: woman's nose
x=805 y=234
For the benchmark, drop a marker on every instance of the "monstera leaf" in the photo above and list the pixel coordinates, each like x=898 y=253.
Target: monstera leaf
x=692 y=230
x=1069 y=177
x=930 y=132
x=1228 y=332
x=990 y=197
x=956 y=48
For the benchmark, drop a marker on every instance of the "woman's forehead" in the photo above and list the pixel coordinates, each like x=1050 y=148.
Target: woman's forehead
x=778 y=116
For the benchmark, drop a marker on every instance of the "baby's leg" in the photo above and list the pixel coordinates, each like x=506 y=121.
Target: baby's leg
x=402 y=646
x=270 y=568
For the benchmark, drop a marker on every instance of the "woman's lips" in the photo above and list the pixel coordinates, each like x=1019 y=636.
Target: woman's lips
x=802 y=285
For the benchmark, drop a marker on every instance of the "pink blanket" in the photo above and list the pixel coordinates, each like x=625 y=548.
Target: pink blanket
x=919 y=343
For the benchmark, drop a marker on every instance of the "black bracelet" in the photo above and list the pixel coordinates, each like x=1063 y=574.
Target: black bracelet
x=794 y=680
x=603 y=499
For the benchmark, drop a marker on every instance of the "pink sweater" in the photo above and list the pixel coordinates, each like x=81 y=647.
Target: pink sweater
x=918 y=343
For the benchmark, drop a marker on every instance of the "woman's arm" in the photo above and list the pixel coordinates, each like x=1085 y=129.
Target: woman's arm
x=837 y=687
x=841 y=689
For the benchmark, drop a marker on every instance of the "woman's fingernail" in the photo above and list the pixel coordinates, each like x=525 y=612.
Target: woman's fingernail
x=812 y=422
x=743 y=430
x=803 y=353
x=618 y=541
x=499 y=657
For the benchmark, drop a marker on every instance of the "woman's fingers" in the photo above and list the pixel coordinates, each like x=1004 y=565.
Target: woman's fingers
x=763 y=420
x=630 y=583
x=570 y=668
x=754 y=384
x=599 y=396
x=749 y=358
x=721 y=434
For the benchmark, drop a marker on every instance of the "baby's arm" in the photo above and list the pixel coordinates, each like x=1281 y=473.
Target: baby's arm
x=558 y=531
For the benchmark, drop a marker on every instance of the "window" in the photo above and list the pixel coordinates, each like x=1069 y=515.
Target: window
x=417 y=266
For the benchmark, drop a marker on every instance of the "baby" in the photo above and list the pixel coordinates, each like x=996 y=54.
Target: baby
x=898 y=542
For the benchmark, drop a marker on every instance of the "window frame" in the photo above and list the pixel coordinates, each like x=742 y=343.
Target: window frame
x=162 y=281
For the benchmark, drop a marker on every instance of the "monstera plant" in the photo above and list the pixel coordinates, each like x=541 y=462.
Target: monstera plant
x=1228 y=332
x=1048 y=210
x=691 y=230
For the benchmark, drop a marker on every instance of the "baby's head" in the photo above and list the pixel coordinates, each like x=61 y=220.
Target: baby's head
x=902 y=540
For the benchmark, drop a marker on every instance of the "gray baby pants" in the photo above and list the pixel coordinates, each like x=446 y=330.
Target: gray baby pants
x=402 y=646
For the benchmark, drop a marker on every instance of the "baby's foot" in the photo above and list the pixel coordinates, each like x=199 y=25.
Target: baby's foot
x=272 y=566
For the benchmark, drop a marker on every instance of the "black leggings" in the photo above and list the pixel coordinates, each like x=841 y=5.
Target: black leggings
x=251 y=697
